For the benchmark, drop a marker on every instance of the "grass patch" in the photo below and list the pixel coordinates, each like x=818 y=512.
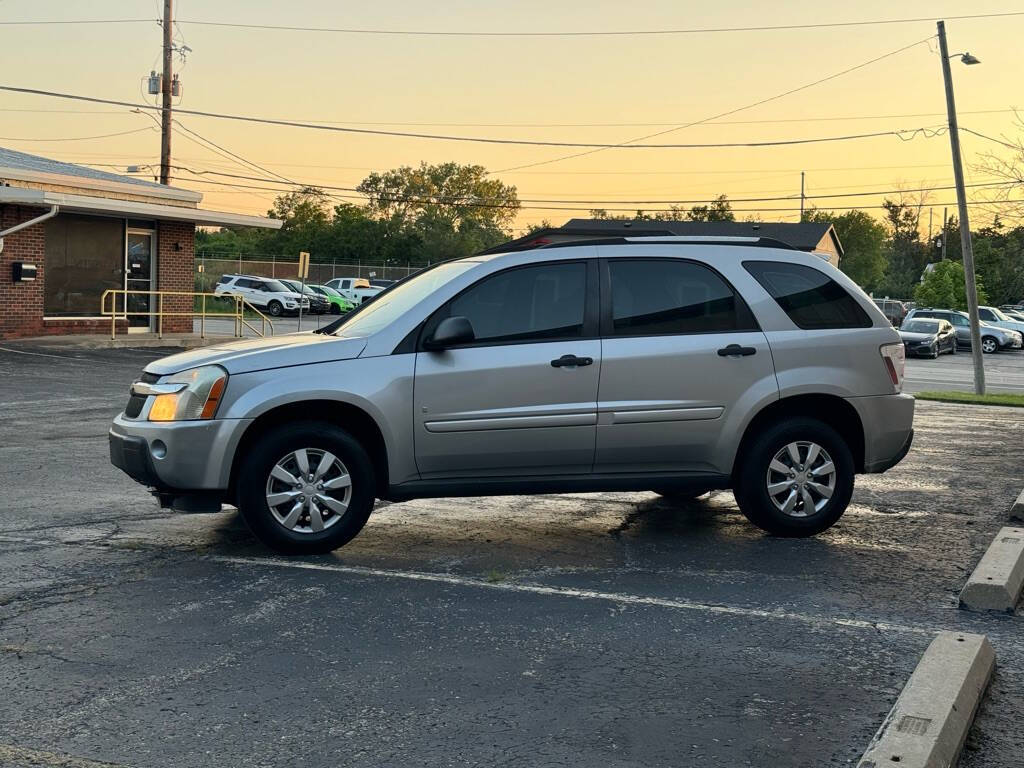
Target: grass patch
x=494 y=577
x=970 y=398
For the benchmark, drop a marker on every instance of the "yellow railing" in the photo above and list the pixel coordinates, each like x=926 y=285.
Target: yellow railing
x=111 y=307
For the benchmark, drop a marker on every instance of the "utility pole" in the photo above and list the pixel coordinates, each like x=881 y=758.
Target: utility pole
x=965 y=227
x=945 y=223
x=801 y=195
x=165 y=88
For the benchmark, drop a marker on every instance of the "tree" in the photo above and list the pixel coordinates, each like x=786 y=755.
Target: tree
x=907 y=255
x=719 y=210
x=863 y=240
x=943 y=286
x=451 y=195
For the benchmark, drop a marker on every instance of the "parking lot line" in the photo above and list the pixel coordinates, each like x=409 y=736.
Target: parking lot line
x=14 y=755
x=573 y=593
x=928 y=724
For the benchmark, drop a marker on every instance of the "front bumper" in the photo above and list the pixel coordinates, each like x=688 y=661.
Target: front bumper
x=176 y=456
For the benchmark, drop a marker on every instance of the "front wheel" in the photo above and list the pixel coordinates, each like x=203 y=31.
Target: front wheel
x=989 y=345
x=335 y=309
x=795 y=479
x=275 y=308
x=306 y=488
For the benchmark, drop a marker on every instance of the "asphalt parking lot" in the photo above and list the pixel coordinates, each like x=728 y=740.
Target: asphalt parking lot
x=590 y=629
x=1004 y=372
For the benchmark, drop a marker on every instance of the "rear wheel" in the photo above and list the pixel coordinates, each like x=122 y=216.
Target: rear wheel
x=795 y=479
x=306 y=488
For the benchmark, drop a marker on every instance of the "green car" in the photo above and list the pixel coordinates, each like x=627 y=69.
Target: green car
x=338 y=302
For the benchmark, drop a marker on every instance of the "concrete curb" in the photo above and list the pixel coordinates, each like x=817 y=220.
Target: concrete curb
x=1017 y=510
x=927 y=726
x=996 y=583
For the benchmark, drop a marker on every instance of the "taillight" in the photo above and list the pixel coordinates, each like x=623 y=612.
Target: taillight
x=895 y=358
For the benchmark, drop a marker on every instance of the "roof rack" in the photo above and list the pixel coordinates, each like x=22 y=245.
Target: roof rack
x=750 y=242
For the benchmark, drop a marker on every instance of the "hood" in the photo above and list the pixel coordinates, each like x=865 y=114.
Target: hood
x=997 y=330
x=245 y=355
x=912 y=336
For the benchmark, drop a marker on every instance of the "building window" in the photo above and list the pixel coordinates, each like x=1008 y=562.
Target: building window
x=84 y=257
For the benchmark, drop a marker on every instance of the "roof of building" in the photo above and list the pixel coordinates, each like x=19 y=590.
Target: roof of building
x=804 y=236
x=10 y=158
x=77 y=188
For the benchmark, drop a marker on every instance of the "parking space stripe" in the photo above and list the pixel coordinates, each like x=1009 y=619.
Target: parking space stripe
x=574 y=593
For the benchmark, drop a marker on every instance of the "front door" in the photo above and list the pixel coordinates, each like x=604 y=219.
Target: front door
x=682 y=360
x=139 y=269
x=510 y=403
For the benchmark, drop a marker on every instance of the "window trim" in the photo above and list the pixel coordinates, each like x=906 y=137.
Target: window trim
x=868 y=321
x=608 y=321
x=591 y=305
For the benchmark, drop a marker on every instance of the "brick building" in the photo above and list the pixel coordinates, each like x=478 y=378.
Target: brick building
x=88 y=231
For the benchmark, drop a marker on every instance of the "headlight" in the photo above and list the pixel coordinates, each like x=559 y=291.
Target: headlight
x=197 y=397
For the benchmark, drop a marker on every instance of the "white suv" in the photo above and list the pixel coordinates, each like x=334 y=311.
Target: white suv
x=263 y=293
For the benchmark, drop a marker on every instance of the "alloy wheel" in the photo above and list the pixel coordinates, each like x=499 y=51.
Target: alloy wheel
x=988 y=345
x=308 y=490
x=801 y=479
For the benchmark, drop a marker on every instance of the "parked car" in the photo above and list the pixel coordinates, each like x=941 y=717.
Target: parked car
x=379 y=282
x=1014 y=314
x=993 y=338
x=338 y=303
x=263 y=293
x=355 y=289
x=895 y=311
x=928 y=338
x=696 y=366
x=995 y=316
x=318 y=303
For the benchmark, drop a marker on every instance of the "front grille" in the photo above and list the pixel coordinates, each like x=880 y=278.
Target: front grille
x=136 y=402
x=134 y=407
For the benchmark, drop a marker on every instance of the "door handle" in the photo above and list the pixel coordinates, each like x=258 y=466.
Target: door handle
x=735 y=350
x=566 y=361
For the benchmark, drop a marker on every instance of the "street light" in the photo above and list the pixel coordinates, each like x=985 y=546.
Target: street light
x=961 y=199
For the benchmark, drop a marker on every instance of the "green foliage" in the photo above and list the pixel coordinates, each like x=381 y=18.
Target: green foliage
x=864 y=241
x=944 y=286
x=991 y=398
x=720 y=210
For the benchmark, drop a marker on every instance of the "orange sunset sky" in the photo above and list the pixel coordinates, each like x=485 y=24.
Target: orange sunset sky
x=605 y=89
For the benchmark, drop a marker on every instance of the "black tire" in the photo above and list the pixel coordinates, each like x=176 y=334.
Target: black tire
x=952 y=348
x=335 y=309
x=991 y=343
x=935 y=355
x=750 y=481
x=275 y=308
x=680 y=494
x=261 y=460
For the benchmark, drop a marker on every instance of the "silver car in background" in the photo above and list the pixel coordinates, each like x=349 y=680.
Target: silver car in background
x=676 y=365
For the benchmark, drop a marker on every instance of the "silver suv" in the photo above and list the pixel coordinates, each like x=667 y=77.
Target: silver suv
x=676 y=365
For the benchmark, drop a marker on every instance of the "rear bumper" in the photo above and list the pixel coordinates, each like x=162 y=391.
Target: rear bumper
x=888 y=422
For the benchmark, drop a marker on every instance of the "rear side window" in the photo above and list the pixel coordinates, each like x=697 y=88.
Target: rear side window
x=244 y=282
x=811 y=298
x=670 y=296
x=225 y=279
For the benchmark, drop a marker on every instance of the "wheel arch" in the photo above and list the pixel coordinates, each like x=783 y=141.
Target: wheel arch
x=830 y=409
x=351 y=418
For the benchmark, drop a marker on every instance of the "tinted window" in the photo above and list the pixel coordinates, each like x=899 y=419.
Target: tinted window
x=526 y=304
x=987 y=314
x=225 y=279
x=243 y=282
x=84 y=256
x=960 y=320
x=669 y=296
x=810 y=297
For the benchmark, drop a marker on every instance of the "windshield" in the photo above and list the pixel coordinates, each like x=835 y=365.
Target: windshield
x=921 y=326
x=1000 y=315
x=326 y=290
x=389 y=306
x=294 y=287
x=277 y=286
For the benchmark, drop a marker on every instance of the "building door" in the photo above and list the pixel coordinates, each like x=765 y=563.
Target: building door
x=139 y=274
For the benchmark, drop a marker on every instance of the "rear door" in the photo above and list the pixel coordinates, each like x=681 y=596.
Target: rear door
x=682 y=361
x=522 y=398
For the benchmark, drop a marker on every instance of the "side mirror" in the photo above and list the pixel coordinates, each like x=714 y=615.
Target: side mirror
x=449 y=332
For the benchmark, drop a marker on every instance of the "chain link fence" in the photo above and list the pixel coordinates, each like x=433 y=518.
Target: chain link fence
x=210 y=269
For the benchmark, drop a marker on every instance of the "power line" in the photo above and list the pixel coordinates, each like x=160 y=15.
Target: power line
x=594 y=147
x=720 y=115
x=234 y=155
x=874 y=193
x=989 y=138
x=530 y=33
x=75 y=138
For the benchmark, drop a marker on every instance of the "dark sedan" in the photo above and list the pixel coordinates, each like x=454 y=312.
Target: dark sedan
x=928 y=338
x=318 y=304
